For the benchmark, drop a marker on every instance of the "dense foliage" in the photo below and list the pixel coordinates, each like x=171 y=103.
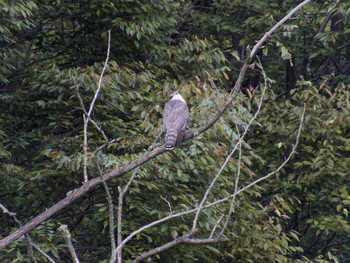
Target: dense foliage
x=52 y=55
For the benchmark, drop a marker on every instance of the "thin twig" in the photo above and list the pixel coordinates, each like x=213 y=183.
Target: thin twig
x=286 y=160
x=232 y=205
x=169 y=205
x=216 y=225
x=86 y=121
x=86 y=113
x=43 y=252
x=101 y=76
x=87 y=117
x=102 y=147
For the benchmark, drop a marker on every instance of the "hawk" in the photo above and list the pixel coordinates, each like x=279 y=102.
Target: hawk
x=175 y=118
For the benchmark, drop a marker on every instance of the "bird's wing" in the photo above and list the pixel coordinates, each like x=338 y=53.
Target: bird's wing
x=175 y=115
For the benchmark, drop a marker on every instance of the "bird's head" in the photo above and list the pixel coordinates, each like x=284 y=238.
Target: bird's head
x=175 y=95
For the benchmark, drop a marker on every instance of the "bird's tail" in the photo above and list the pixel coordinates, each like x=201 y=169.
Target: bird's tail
x=170 y=140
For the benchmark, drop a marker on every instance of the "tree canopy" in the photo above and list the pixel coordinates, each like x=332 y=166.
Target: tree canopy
x=263 y=175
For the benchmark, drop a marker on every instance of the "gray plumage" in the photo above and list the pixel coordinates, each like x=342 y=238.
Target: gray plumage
x=175 y=118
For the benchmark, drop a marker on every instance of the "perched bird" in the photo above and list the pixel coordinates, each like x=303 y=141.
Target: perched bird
x=175 y=118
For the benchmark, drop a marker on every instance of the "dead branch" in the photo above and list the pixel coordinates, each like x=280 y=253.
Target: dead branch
x=87 y=117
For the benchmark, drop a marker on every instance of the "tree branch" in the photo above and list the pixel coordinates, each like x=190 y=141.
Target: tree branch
x=275 y=27
x=29 y=240
x=179 y=240
x=67 y=238
x=110 y=213
x=87 y=117
x=118 y=253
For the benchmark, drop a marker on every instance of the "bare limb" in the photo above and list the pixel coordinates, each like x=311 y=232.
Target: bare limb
x=87 y=117
x=29 y=240
x=86 y=121
x=275 y=27
x=101 y=76
x=286 y=160
x=86 y=113
x=77 y=193
x=102 y=147
x=13 y=215
x=118 y=253
x=216 y=225
x=179 y=240
x=110 y=213
x=232 y=205
x=43 y=253
x=67 y=238
x=169 y=205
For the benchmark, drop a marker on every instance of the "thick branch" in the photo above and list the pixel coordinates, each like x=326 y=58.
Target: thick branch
x=86 y=187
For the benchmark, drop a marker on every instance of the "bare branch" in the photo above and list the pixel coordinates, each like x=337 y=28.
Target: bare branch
x=86 y=121
x=86 y=113
x=275 y=27
x=29 y=240
x=43 y=252
x=179 y=240
x=110 y=213
x=286 y=160
x=169 y=205
x=67 y=238
x=77 y=193
x=118 y=253
x=236 y=187
x=101 y=76
x=87 y=117
x=216 y=225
